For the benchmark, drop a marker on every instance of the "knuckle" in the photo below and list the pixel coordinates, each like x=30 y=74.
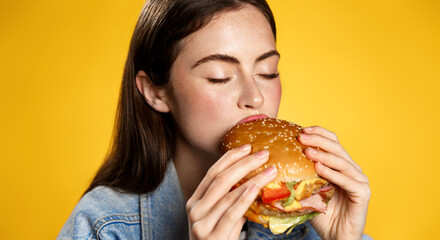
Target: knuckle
x=193 y=215
x=334 y=136
x=198 y=230
x=211 y=173
x=366 y=180
x=189 y=205
x=220 y=179
x=229 y=216
x=367 y=191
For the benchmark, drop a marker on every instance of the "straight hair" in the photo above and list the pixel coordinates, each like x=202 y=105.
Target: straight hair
x=143 y=139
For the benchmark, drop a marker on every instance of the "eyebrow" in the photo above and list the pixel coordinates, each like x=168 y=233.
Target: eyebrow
x=229 y=59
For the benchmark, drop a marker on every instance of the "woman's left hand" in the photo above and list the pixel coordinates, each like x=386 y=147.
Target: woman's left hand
x=347 y=211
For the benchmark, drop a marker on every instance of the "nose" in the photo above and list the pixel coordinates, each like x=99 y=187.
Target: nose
x=250 y=96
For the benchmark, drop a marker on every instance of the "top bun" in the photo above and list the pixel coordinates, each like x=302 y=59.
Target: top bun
x=279 y=137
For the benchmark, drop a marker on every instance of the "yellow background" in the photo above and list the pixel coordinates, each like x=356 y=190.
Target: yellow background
x=367 y=70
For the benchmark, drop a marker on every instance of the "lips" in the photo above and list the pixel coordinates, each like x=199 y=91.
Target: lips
x=252 y=118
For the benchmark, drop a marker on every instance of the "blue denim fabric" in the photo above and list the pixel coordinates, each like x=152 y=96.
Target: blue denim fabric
x=304 y=232
x=104 y=213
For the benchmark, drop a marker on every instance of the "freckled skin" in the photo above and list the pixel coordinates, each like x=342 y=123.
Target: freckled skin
x=203 y=110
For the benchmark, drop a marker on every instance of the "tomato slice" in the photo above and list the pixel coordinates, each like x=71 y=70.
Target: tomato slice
x=326 y=188
x=275 y=194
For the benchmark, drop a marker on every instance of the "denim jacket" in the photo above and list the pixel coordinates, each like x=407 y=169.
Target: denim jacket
x=104 y=213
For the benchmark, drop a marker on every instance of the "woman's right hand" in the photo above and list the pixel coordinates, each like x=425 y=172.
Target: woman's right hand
x=214 y=211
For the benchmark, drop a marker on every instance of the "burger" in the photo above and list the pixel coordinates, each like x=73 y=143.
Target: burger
x=297 y=194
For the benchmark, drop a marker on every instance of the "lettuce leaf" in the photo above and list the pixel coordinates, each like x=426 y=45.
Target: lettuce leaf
x=279 y=225
x=290 y=199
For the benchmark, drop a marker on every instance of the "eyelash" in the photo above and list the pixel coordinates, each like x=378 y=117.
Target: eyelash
x=219 y=80
x=225 y=80
x=270 y=76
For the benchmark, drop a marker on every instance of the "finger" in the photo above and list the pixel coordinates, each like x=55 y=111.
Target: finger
x=224 y=181
x=231 y=198
x=335 y=162
x=236 y=212
x=224 y=162
x=236 y=231
x=328 y=145
x=321 y=131
x=351 y=186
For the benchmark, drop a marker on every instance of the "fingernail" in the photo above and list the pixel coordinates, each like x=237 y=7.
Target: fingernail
x=312 y=151
x=245 y=147
x=262 y=154
x=270 y=171
x=303 y=136
x=307 y=129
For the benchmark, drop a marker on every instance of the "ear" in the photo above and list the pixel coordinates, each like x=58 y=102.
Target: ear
x=154 y=96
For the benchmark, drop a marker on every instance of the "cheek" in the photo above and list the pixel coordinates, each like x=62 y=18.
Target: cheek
x=272 y=96
x=202 y=104
x=277 y=92
x=200 y=113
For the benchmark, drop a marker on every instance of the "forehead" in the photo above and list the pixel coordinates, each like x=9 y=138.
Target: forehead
x=231 y=32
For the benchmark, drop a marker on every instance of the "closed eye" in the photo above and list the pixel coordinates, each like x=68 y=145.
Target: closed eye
x=225 y=80
x=269 y=76
x=219 y=80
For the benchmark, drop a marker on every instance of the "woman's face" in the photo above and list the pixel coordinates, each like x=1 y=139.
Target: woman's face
x=226 y=71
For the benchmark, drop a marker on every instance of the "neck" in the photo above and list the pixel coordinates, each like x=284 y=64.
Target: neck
x=191 y=165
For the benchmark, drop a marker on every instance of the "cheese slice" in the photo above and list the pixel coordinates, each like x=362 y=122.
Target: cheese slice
x=293 y=206
x=307 y=187
x=273 y=185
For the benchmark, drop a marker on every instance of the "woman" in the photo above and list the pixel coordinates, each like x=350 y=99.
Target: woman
x=195 y=69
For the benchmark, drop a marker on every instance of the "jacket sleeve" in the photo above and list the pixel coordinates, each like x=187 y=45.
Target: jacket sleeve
x=104 y=214
x=78 y=226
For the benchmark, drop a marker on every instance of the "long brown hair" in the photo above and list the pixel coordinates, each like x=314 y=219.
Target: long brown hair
x=143 y=139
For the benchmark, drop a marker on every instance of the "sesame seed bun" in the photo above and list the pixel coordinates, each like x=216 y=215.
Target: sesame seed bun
x=279 y=137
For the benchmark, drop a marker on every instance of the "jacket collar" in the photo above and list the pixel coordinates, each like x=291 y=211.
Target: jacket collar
x=163 y=211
